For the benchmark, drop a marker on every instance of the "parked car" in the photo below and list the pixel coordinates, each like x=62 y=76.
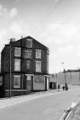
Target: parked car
x=68 y=113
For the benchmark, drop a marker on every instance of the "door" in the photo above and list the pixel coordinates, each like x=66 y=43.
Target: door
x=29 y=82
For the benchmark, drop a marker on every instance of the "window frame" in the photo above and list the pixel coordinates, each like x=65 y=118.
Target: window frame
x=15 y=64
x=14 y=81
x=28 y=66
x=38 y=53
x=29 y=43
x=18 y=51
x=37 y=66
x=27 y=53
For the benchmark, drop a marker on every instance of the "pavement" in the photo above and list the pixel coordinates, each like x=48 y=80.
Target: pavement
x=48 y=105
x=73 y=111
x=7 y=102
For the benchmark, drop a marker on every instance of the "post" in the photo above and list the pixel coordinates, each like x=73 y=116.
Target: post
x=70 y=79
x=65 y=76
x=63 y=72
x=10 y=72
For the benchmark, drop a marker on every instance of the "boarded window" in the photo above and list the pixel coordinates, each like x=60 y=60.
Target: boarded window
x=29 y=43
x=39 y=83
x=39 y=79
x=27 y=53
x=16 y=81
x=17 y=65
x=38 y=53
x=17 y=52
x=38 y=66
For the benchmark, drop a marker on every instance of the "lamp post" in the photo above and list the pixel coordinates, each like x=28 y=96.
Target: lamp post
x=10 y=71
x=64 y=72
x=65 y=76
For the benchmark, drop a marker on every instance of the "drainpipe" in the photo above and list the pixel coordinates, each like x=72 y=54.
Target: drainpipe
x=10 y=73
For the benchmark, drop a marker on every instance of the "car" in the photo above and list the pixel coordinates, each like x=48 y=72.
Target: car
x=68 y=113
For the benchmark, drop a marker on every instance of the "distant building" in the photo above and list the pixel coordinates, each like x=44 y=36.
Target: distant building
x=24 y=65
x=52 y=81
x=71 y=77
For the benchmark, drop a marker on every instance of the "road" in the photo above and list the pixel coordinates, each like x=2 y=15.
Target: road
x=49 y=107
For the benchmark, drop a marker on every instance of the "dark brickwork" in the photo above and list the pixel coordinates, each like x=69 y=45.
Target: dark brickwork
x=7 y=66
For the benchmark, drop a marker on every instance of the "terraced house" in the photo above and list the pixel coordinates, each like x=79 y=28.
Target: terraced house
x=24 y=66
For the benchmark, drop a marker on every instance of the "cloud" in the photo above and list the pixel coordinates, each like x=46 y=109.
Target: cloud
x=66 y=50
x=16 y=27
x=13 y=12
x=3 y=40
x=78 y=51
x=61 y=33
x=3 y=10
x=10 y=13
x=56 y=1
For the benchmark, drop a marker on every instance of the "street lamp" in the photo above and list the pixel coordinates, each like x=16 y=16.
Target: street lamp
x=64 y=71
x=65 y=76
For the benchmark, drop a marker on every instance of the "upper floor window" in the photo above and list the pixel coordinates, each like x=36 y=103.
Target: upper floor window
x=29 y=43
x=27 y=53
x=16 y=81
x=38 y=53
x=38 y=66
x=17 y=64
x=17 y=51
x=28 y=62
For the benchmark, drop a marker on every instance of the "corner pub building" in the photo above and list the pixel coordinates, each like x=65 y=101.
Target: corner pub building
x=24 y=66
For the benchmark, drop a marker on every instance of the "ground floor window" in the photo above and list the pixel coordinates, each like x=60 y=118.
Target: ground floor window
x=16 y=81
x=39 y=79
x=39 y=82
x=1 y=81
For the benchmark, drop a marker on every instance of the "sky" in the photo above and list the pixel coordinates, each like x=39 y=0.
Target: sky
x=55 y=23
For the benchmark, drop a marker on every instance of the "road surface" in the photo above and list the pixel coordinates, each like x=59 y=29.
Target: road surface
x=48 y=107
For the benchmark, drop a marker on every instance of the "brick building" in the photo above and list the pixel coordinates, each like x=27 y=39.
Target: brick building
x=24 y=65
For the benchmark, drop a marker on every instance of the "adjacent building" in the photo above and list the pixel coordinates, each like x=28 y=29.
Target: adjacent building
x=71 y=77
x=24 y=66
x=52 y=81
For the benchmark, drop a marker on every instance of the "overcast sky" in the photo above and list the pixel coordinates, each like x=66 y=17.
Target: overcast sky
x=55 y=23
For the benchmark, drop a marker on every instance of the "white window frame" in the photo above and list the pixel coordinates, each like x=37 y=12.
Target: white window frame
x=29 y=43
x=17 y=51
x=18 y=81
x=17 y=64
x=38 y=66
x=38 y=53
